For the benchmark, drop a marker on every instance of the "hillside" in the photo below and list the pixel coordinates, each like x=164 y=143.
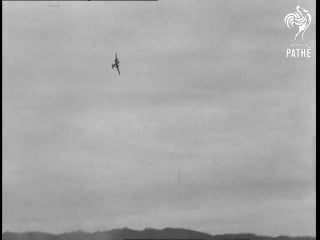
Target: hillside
x=148 y=233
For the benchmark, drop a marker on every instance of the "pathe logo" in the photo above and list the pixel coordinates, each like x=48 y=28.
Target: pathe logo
x=300 y=18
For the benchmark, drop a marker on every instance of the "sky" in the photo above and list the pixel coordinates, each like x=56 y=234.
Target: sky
x=208 y=127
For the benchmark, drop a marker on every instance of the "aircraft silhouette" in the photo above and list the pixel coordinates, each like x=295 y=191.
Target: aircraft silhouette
x=116 y=64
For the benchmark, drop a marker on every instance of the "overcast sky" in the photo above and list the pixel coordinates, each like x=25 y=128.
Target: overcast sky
x=209 y=126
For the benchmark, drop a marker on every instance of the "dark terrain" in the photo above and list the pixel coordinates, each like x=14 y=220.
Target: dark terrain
x=148 y=233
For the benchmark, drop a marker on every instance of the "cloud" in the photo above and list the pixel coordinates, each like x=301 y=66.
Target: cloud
x=208 y=127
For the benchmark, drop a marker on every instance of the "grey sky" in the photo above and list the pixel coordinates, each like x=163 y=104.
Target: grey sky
x=205 y=91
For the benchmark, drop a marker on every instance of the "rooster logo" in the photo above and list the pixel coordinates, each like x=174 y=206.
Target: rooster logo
x=300 y=18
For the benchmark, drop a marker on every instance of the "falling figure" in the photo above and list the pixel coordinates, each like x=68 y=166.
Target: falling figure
x=300 y=18
x=116 y=64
